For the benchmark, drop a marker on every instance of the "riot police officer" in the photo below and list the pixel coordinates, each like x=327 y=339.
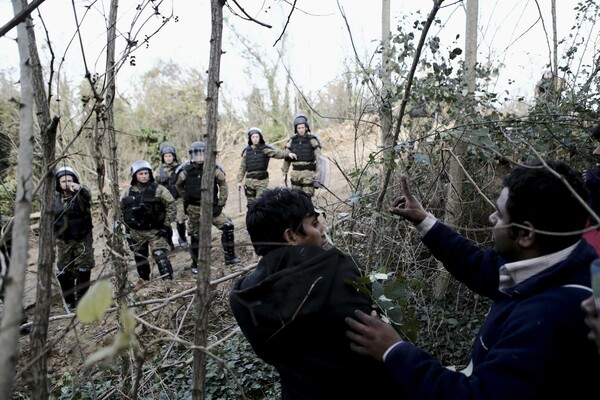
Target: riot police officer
x=189 y=180
x=307 y=148
x=148 y=210
x=166 y=176
x=255 y=164
x=74 y=238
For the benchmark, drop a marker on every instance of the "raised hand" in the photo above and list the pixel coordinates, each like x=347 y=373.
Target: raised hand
x=407 y=206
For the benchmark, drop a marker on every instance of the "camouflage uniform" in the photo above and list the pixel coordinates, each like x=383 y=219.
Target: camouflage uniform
x=549 y=87
x=255 y=164
x=74 y=239
x=307 y=148
x=166 y=176
x=148 y=210
x=189 y=178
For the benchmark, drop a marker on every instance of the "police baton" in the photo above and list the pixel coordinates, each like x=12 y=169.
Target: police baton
x=239 y=199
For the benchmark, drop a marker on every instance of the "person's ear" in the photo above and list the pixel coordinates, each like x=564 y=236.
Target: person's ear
x=289 y=236
x=526 y=237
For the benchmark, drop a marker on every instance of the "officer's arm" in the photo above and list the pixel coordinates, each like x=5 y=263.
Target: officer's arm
x=242 y=171
x=222 y=185
x=169 y=201
x=180 y=183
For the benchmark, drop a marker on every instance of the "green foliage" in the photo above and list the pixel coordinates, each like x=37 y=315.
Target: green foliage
x=258 y=380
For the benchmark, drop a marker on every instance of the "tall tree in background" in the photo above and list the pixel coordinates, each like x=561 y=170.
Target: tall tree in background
x=203 y=297
x=456 y=174
x=46 y=254
x=385 y=110
x=13 y=295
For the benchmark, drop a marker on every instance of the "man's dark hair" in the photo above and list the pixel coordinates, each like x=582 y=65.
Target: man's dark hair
x=274 y=211
x=537 y=195
x=596 y=132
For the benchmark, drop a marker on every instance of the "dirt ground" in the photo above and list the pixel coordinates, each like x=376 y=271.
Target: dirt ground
x=340 y=146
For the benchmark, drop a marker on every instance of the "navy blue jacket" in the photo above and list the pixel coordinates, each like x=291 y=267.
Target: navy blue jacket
x=533 y=343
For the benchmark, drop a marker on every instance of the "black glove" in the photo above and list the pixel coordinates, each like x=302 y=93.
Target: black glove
x=166 y=231
x=217 y=210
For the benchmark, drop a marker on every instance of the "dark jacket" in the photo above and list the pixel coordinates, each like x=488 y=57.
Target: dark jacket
x=292 y=309
x=72 y=214
x=533 y=342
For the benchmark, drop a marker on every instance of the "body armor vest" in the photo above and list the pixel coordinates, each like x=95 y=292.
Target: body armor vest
x=72 y=217
x=256 y=159
x=168 y=179
x=302 y=147
x=193 y=185
x=143 y=210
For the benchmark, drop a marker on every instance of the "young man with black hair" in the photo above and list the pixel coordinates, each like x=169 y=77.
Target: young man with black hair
x=292 y=307
x=592 y=184
x=533 y=343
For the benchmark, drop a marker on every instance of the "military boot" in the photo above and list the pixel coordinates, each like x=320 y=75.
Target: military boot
x=195 y=246
x=181 y=232
x=227 y=240
x=164 y=265
x=83 y=281
x=142 y=266
x=66 y=279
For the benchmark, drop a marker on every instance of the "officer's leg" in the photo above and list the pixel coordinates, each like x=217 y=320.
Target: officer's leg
x=181 y=232
x=140 y=254
x=164 y=265
x=66 y=279
x=169 y=237
x=227 y=240
x=250 y=193
x=65 y=275
x=85 y=263
x=194 y=248
x=83 y=280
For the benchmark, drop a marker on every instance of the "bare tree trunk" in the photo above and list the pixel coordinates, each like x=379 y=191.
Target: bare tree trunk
x=385 y=112
x=203 y=297
x=46 y=254
x=114 y=239
x=407 y=90
x=456 y=175
x=15 y=282
x=555 y=40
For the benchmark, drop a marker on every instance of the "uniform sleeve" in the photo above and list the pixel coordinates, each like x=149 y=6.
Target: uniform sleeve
x=286 y=163
x=222 y=185
x=169 y=201
x=180 y=183
x=124 y=194
x=86 y=195
x=242 y=170
x=275 y=153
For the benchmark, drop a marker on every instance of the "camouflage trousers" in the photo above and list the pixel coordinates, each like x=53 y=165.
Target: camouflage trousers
x=303 y=180
x=72 y=254
x=142 y=241
x=180 y=211
x=254 y=188
x=193 y=223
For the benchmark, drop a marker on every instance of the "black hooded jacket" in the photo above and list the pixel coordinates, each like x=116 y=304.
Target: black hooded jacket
x=292 y=309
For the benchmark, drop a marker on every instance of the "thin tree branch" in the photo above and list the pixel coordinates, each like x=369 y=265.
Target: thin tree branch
x=17 y=19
